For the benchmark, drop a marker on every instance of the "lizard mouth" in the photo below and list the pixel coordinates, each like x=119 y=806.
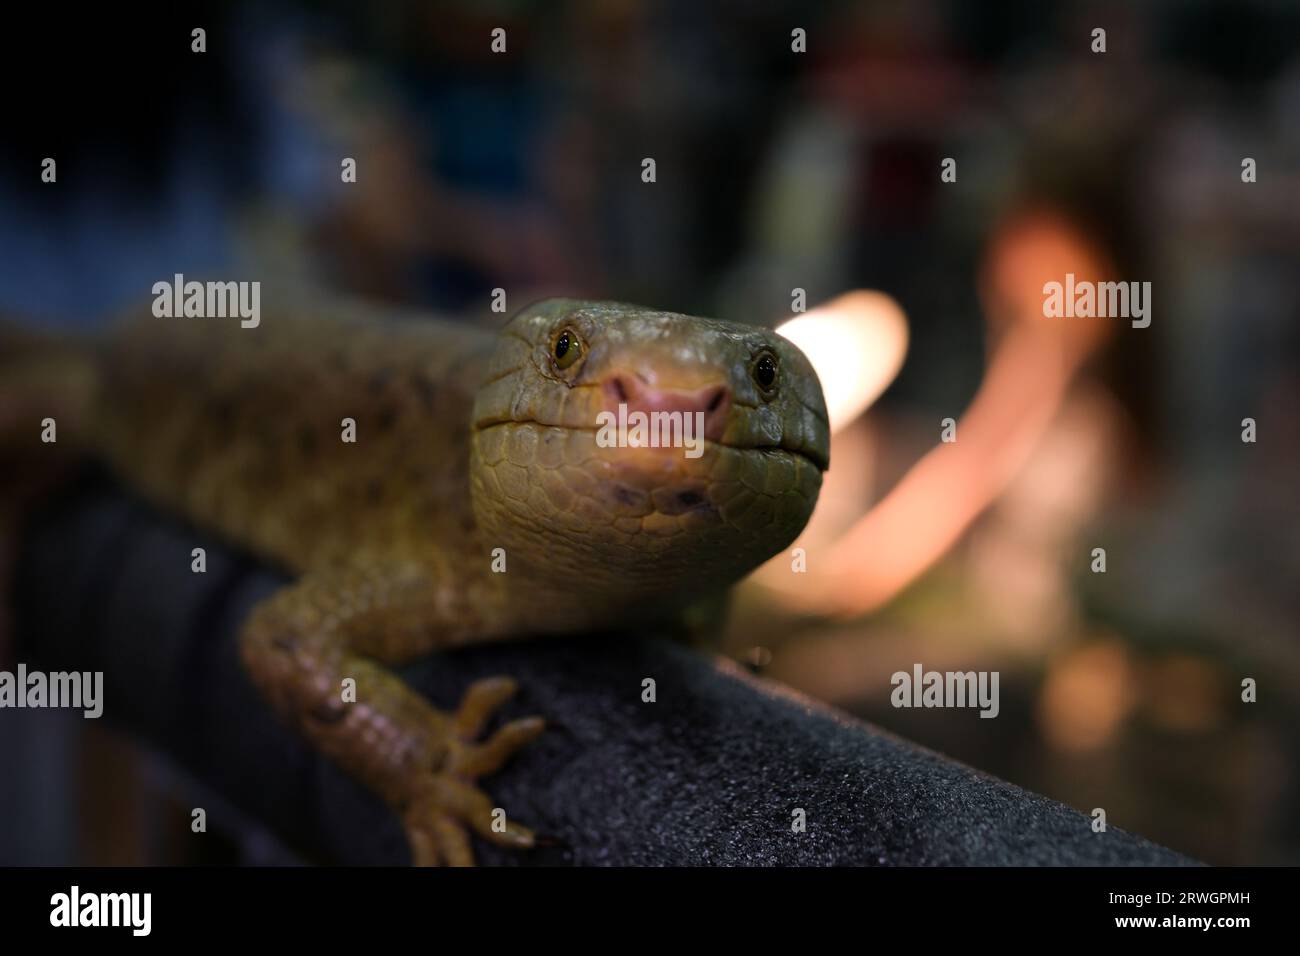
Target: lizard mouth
x=649 y=451
x=562 y=470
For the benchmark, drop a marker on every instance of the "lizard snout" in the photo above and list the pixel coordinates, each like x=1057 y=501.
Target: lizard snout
x=630 y=390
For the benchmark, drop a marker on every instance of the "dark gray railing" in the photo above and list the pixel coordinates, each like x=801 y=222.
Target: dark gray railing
x=709 y=774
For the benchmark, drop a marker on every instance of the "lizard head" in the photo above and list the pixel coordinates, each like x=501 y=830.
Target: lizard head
x=625 y=457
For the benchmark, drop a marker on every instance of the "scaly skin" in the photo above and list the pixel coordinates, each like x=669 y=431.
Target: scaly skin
x=466 y=442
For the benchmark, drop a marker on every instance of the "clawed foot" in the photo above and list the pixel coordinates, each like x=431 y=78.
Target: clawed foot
x=446 y=804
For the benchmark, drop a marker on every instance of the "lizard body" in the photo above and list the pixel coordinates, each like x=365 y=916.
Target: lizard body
x=469 y=447
x=242 y=432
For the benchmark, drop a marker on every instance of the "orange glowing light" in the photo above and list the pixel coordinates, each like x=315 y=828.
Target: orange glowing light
x=856 y=343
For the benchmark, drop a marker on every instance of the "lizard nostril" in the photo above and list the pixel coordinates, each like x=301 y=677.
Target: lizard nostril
x=616 y=388
x=717 y=405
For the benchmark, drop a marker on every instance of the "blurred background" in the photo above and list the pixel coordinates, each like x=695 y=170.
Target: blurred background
x=779 y=170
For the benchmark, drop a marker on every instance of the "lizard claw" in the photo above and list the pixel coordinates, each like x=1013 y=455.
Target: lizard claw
x=482 y=699
x=446 y=804
x=481 y=759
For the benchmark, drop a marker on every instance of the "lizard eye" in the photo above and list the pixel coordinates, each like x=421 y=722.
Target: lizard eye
x=764 y=373
x=567 y=349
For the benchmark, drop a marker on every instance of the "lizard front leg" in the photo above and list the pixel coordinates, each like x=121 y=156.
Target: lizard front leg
x=302 y=642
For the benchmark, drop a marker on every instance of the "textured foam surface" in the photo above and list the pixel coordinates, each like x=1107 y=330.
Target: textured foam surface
x=709 y=774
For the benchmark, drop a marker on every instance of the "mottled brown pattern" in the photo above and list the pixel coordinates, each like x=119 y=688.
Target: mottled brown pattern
x=240 y=429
